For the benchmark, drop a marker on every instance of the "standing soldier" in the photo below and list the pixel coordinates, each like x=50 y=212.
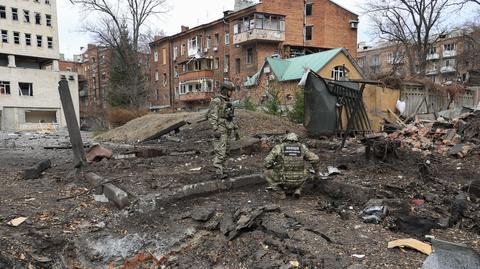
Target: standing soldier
x=285 y=169
x=221 y=115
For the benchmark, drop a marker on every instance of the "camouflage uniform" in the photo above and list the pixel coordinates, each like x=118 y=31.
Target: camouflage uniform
x=220 y=115
x=285 y=165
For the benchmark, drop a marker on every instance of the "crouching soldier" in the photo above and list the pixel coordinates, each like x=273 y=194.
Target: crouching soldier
x=285 y=169
x=221 y=117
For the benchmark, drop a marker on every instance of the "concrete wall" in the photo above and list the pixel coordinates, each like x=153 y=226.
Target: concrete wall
x=45 y=96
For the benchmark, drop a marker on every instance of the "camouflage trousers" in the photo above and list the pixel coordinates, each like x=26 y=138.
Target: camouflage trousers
x=221 y=148
x=275 y=179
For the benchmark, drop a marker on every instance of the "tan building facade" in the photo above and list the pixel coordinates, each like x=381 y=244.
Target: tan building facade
x=188 y=68
x=29 y=68
x=447 y=61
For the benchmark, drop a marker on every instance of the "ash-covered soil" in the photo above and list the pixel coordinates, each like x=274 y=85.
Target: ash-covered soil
x=319 y=230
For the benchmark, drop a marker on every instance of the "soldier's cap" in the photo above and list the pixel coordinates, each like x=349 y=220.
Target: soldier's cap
x=292 y=137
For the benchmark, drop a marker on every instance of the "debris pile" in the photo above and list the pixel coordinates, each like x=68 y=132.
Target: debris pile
x=456 y=137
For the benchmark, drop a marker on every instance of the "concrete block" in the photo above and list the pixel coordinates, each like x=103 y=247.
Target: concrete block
x=116 y=195
x=94 y=180
x=36 y=170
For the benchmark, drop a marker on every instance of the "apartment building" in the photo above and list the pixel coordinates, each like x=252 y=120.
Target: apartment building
x=449 y=58
x=93 y=68
x=187 y=68
x=29 y=68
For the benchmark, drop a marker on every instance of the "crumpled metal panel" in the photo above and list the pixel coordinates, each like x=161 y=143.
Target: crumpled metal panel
x=320 y=107
x=448 y=255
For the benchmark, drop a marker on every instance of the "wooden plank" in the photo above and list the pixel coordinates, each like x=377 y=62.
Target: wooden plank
x=400 y=121
x=165 y=131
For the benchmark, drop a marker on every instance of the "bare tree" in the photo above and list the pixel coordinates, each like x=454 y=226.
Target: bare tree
x=121 y=28
x=415 y=24
x=468 y=57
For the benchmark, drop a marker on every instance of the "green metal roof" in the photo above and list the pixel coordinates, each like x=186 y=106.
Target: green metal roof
x=294 y=68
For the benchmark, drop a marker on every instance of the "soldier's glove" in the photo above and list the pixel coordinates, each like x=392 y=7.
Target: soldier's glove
x=216 y=134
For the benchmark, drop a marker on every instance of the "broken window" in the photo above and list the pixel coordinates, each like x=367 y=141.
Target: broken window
x=28 y=39
x=209 y=42
x=227 y=38
x=308 y=9
x=164 y=79
x=175 y=53
x=25 y=89
x=26 y=16
x=5 y=87
x=226 y=63
x=216 y=63
x=164 y=56
x=339 y=73
x=182 y=50
x=237 y=65
x=48 y=20
x=50 y=42
x=39 y=41
x=216 y=40
x=14 y=14
x=38 y=18
x=3 y=13
x=249 y=55
x=16 y=37
x=155 y=56
x=308 y=32
x=4 y=36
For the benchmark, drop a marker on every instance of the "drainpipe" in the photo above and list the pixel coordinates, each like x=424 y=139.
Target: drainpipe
x=171 y=73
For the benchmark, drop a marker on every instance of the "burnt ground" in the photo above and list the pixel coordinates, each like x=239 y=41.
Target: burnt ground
x=319 y=230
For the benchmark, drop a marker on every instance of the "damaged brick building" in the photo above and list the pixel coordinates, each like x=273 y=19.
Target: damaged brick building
x=187 y=68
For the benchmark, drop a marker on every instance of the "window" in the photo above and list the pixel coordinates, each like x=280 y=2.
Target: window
x=449 y=47
x=237 y=66
x=156 y=76
x=50 y=42
x=38 y=18
x=339 y=73
x=28 y=39
x=376 y=60
x=164 y=79
x=175 y=53
x=48 y=20
x=25 y=89
x=164 y=56
x=14 y=14
x=16 y=37
x=308 y=32
x=216 y=40
x=26 y=16
x=432 y=50
x=47 y=2
x=182 y=50
x=216 y=63
x=227 y=38
x=4 y=36
x=209 y=42
x=39 y=41
x=249 y=55
x=36 y=1
x=94 y=60
x=104 y=76
x=226 y=63
x=308 y=9
x=3 y=13
x=155 y=56
x=4 y=87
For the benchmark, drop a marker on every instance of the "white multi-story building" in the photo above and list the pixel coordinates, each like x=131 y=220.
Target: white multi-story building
x=29 y=71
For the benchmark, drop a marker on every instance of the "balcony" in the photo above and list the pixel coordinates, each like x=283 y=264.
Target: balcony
x=449 y=53
x=196 y=96
x=258 y=35
x=434 y=56
x=430 y=72
x=447 y=69
x=196 y=75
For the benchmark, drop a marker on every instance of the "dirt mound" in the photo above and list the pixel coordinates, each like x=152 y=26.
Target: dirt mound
x=250 y=124
x=146 y=126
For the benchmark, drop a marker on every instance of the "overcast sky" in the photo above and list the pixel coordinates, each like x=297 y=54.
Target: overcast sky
x=182 y=12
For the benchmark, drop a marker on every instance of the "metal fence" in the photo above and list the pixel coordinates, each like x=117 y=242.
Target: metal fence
x=420 y=100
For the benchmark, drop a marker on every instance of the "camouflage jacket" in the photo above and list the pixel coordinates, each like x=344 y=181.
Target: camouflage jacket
x=289 y=159
x=221 y=113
